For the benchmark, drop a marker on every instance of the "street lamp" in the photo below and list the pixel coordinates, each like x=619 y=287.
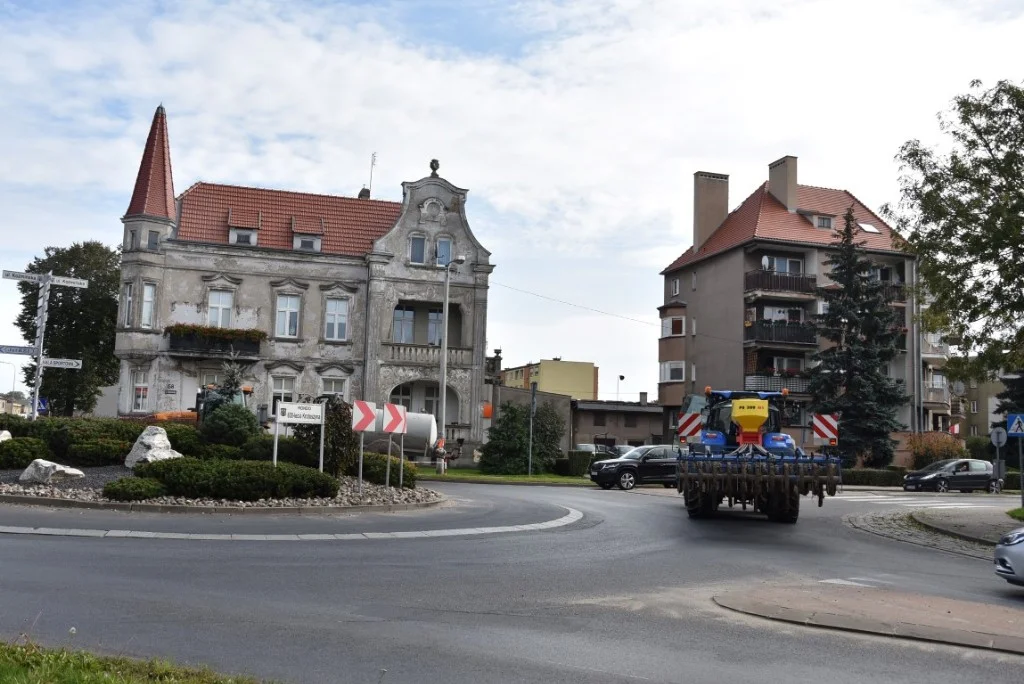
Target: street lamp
x=444 y=354
x=620 y=379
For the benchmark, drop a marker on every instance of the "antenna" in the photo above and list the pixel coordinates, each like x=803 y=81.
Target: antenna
x=373 y=162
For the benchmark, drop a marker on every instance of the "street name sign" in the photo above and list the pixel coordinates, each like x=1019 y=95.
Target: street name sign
x=297 y=413
x=69 y=282
x=61 y=363
x=17 y=349
x=28 y=277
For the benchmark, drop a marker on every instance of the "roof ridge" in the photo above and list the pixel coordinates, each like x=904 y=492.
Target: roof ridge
x=822 y=187
x=856 y=199
x=289 y=192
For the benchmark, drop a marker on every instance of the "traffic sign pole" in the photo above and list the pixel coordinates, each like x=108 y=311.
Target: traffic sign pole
x=42 y=306
x=1015 y=428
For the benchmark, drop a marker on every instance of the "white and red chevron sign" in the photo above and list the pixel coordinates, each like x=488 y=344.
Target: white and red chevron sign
x=364 y=415
x=690 y=425
x=394 y=419
x=826 y=427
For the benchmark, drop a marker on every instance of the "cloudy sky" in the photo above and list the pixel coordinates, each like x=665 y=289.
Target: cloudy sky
x=576 y=126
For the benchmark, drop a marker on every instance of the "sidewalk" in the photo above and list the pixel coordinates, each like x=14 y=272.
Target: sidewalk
x=982 y=525
x=885 y=612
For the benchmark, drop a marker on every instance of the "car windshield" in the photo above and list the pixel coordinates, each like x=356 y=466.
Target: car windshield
x=938 y=465
x=635 y=454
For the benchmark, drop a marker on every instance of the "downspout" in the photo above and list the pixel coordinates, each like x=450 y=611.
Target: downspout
x=366 y=332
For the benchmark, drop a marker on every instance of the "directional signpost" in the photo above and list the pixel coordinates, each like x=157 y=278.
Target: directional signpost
x=395 y=422
x=1015 y=423
x=291 y=413
x=364 y=417
x=44 y=280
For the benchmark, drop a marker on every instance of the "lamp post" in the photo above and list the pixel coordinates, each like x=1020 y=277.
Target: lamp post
x=444 y=356
x=617 y=381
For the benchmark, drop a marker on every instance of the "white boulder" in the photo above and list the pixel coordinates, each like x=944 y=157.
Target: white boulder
x=152 y=445
x=40 y=471
x=5 y=435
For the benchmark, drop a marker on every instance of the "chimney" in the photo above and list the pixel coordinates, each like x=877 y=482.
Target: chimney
x=782 y=181
x=643 y=398
x=710 y=204
x=364 y=193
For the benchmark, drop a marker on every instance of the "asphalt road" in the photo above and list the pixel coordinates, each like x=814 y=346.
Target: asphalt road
x=620 y=596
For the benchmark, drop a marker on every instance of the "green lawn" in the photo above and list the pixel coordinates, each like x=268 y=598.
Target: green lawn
x=29 y=664
x=474 y=475
x=1016 y=513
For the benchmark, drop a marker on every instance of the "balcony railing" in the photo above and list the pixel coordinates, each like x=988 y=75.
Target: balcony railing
x=932 y=348
x=196 y=345
x=775 y=383
x=427 y=355
x=935 y=394
x=779 y=331
x=781 y=282
x=897 y=293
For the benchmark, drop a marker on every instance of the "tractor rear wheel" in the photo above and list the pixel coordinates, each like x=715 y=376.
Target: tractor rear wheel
x=698 y=504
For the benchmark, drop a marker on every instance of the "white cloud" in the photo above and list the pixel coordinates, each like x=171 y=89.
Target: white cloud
x=578 y=149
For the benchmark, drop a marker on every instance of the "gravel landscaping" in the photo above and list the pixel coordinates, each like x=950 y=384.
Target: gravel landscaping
x=90 y=488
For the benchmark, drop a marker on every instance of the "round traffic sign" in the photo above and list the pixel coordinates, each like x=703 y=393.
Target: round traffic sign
x=998 y=437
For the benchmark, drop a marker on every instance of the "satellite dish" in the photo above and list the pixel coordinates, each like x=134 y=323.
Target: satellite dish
x=958 y=387
x=764 y=262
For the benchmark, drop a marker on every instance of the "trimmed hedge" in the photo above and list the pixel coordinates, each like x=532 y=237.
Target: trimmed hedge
x=134 y=489
x=289 y=450
x=374 y=470
x=19 y=452
x=872 y=477
x=184 y=439
x=579 y=462
x=561 y=466
x=238 y=480
x=220 y=451
x=230 y=424
x=98 y=452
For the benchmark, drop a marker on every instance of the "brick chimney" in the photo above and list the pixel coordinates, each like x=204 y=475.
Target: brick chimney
x=643 y=398
x=710 y=204
x=782 y=181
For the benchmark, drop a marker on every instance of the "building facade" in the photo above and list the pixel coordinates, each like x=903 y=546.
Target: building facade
x=312 y=294
x=738 y=302
x=577 y=379
x=618 y=422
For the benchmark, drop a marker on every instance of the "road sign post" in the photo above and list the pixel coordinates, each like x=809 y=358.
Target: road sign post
x=298 y=413
x=533 y=410
x=42 y=306
x=998 y=437
x=394 y=422
x=1015 y=425
x=364 y=415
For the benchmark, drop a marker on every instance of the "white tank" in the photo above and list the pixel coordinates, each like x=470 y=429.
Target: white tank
x=421 y=434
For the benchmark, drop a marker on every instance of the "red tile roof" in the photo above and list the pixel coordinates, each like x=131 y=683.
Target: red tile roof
x=348 y=225
x=762 y=217
x=154 y=186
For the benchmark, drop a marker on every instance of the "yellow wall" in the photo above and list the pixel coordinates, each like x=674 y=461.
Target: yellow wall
x=575 y=378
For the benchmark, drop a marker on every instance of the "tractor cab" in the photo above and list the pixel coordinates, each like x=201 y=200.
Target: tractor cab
x=722 y=431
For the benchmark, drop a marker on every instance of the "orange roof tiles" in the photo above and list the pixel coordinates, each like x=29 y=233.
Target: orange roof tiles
x=154 y=186
x=348 y=225
x=762 y=217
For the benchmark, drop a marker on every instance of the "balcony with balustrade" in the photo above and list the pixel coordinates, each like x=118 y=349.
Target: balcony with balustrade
x=778 y=332
x=425 y=355
x=763 y=283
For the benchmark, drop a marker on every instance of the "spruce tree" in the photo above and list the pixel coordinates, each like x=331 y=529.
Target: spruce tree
x=864 y=329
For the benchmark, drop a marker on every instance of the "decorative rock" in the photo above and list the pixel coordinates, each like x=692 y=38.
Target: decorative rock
x=4 y=435
x=45 y=472
x=152 y=445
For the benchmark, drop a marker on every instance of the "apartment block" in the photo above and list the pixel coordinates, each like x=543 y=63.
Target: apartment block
x=577 y=379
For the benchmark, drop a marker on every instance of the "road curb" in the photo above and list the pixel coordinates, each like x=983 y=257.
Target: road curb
x=229 y=510
x=949 y=533
x=955 y=637
x=420 y=478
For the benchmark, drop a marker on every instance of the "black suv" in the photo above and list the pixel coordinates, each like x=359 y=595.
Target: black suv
x=646 y=464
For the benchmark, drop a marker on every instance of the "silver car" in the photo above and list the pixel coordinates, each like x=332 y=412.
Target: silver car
x=1010 y=557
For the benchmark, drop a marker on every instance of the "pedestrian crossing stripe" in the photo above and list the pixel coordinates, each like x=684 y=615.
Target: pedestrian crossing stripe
x=1016 y=425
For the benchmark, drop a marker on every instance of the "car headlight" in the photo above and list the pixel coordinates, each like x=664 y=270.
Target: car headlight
x=608 y=466
x=929 y=476
x=1012 y=538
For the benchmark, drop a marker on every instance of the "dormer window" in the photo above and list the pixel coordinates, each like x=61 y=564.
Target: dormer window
x=418 y=249
x=825 y=222
x=242 y=236
x=444 y=251
x=306 y=243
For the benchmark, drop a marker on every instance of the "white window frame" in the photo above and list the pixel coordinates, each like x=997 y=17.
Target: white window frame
x=286 y=389
x=781 y=363
x=773 y=262
x=209 y=378
x=291 y=315
x=435 y=325
x=235 y=233
x=148 y=305
x=339 y=319
x=675 y=287
x=826 y=220
x=423 y=257
x=437 y=250
x=666 y=326
x=402 y=395
x=217 y=311
x=129 y=304
x=314 y=241
x=333 y=384
x=397 y=338
x=669 y=368
x=140 y=391
x=974 y=405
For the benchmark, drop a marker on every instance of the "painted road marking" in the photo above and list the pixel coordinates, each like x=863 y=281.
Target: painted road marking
x=569 y=518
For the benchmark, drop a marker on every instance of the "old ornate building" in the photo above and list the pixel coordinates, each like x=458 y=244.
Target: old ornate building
x=312 y=293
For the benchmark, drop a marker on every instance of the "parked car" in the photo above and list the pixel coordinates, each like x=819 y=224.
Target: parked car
x=598 y=449
x=964 y=474
x=1010 y=557
x=643 y=465
x=623 y=449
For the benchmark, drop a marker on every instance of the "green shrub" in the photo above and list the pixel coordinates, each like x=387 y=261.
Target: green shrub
x=184 y=439
x=134 y=489
x=230 y=424
x=871 y=477
x=375 y=470
x=579 y=462
x=562 y=466
x=98 y=452
x=18 y=452
x=60 y=433
x=238 y=480
x=928 y=447
x=289 y=450
x=897 y=469
x=980 y=448
x=341 y=444
x=1011 y=481
x=220 y=451
x=16 y=425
